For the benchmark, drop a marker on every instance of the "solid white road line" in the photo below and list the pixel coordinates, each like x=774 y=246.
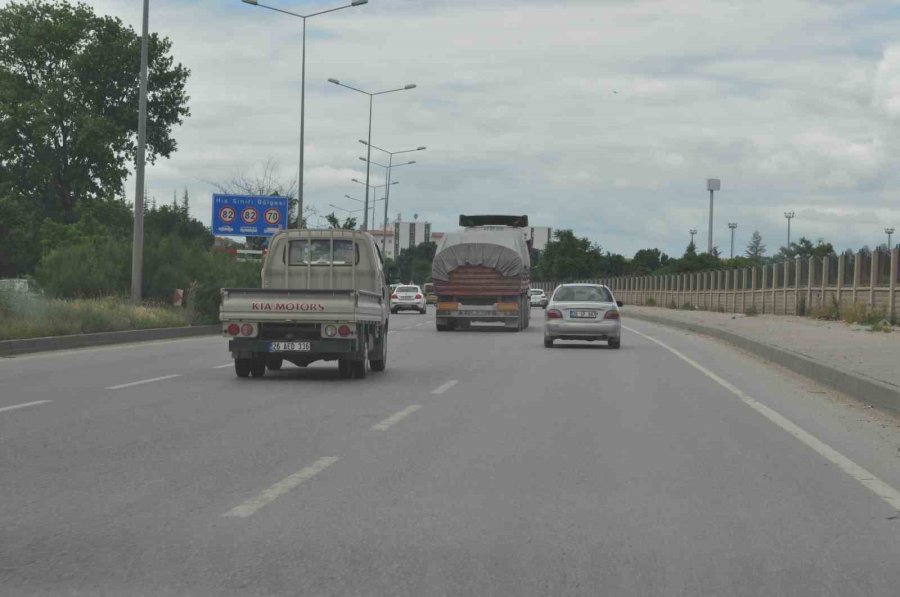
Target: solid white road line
x=223 y=366
x=443 y=388
x=143 y=381
x=274 y=492
x=863 y=476
x=25 y=405
x=396 y=417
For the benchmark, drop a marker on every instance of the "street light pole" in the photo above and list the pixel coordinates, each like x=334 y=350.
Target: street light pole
x=387 y=196
x=693 y=231
x=303 y=88
x=368 y=143
x=137 y=244
x=790 y=216
x=732 y=225
x=712 y=185
x=889 y=232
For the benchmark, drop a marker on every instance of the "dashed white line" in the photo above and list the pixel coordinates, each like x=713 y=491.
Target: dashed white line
x=25 y=405
x=443 y=388
x=274 y=492
x=143 y=381
x=396 y=417
x=223 y=366
x=862 y=475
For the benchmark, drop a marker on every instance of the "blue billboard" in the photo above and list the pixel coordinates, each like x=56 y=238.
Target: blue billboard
x=248 y=215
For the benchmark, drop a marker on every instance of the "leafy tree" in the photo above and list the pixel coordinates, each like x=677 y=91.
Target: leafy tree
x=68 y=103
x=568 y=257
x=349 y=222
x=756 y=250
x=805 y=249
x=691 y=250
x=414 y=263
x=647 y=261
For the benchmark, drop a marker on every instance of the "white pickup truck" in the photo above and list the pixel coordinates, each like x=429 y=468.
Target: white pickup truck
x=324 y=297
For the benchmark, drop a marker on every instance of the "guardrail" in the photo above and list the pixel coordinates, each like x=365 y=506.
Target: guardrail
x=790 y=287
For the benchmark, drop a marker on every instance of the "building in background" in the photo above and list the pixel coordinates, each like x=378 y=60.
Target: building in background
x=386 y=235
x=538 y=236
x=410 y=234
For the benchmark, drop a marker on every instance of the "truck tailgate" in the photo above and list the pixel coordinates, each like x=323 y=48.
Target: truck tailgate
x=276 y=304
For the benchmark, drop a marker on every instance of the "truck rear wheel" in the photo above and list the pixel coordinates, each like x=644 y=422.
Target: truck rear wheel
x=242 y=367
x=380 y=364
x=257 y=367
x=361 y=367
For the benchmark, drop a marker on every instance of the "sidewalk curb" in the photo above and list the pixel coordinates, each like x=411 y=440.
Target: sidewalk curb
x=14 y=347
x=864 y=389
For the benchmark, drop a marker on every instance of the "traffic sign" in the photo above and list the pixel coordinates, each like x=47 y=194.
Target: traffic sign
x=239 y=215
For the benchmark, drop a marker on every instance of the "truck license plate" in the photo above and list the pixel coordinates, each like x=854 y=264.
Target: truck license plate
x=289 y=347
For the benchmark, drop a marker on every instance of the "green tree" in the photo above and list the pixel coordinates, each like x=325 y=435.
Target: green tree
x=646 y=261
x=349 y=222
x=414 y=263
x=756 y=250
x=568 y=257
x=68 y=103
x=805 y=249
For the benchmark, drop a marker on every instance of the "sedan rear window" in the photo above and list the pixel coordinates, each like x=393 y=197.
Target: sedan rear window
x=587 y=294
x=408 y=289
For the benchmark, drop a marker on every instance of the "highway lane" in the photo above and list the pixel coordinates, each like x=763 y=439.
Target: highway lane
x=480 y=463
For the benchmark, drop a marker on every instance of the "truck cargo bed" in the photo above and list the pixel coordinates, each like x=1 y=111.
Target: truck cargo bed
x=479 y=281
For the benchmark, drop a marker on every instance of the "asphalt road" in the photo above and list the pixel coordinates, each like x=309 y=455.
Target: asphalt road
x=479 y=463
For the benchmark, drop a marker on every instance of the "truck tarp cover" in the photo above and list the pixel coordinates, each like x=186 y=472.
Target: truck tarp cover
x=502 y=253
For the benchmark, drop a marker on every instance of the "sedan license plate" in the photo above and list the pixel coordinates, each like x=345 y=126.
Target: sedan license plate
x=583 y=314
x=289 y=347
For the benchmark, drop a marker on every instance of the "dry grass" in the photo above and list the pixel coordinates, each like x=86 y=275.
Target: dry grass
x=32 y=316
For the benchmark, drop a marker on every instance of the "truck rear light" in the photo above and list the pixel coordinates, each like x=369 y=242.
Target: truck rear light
x=507 y=307
x=344 y=331
x=329 y=331
x=554 y=314
x=234 y=329
x=611 y=314
x=448 y=306
x=248 y=329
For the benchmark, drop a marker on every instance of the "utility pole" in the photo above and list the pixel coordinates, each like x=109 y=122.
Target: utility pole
x=137 y=243
x=790 y=216
x=693 y=231
x=712 y=185
x=732 y=225
x=889 y=232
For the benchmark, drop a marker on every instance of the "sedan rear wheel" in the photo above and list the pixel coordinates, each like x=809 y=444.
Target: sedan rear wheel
x=617 y=343
x=548 y=342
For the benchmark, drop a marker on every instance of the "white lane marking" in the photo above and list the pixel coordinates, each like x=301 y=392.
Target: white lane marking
x=443 y=388
x=274 y=492
x=396 y=417
x=143 y=381
x=863 y=476
x=223 y=366
x=25 y=405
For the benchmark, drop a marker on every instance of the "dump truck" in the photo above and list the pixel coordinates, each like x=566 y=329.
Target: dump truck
x=482 y=273
x=324 y=296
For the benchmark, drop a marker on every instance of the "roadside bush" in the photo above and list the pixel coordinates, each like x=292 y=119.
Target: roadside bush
x=86 y=269
x=801 y=306
x=863 y=314
x=650 y=302
x=882 y=326
x=687 y=307
x=672 y=304
x=751 y=311
x=25 y=315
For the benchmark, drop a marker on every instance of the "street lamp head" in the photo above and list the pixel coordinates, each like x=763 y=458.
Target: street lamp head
x=359 y=2
x=253 y=2
x=411 y=162
x=363 y=142
x=354 y=180
x=335 y=81
x=395 y=182
x=732 y=225
x=410 y=86
x=693 y=231
x=789 y=214
x=363 y=159
x=423 y=148
x=889 y=230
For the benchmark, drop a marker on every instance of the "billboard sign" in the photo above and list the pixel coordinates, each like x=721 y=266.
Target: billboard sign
x=248 y=215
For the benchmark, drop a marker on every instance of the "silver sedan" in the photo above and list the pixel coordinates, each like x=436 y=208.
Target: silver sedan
x=583 y=312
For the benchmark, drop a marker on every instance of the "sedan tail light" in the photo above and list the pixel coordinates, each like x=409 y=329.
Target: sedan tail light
x=611 y=314
x=418 y=297
x=554 y=314
x=394 y=297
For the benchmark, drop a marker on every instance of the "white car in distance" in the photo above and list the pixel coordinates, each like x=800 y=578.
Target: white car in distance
x=408 y=298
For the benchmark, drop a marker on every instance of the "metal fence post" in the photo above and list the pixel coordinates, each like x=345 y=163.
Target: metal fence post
x=892 y=286
x=873 y=271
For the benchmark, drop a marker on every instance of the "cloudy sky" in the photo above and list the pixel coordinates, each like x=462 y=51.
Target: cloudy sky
x=601 y=116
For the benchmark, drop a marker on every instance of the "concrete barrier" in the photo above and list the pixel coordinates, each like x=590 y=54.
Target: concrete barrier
x=867 y=390
x=14 y=347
